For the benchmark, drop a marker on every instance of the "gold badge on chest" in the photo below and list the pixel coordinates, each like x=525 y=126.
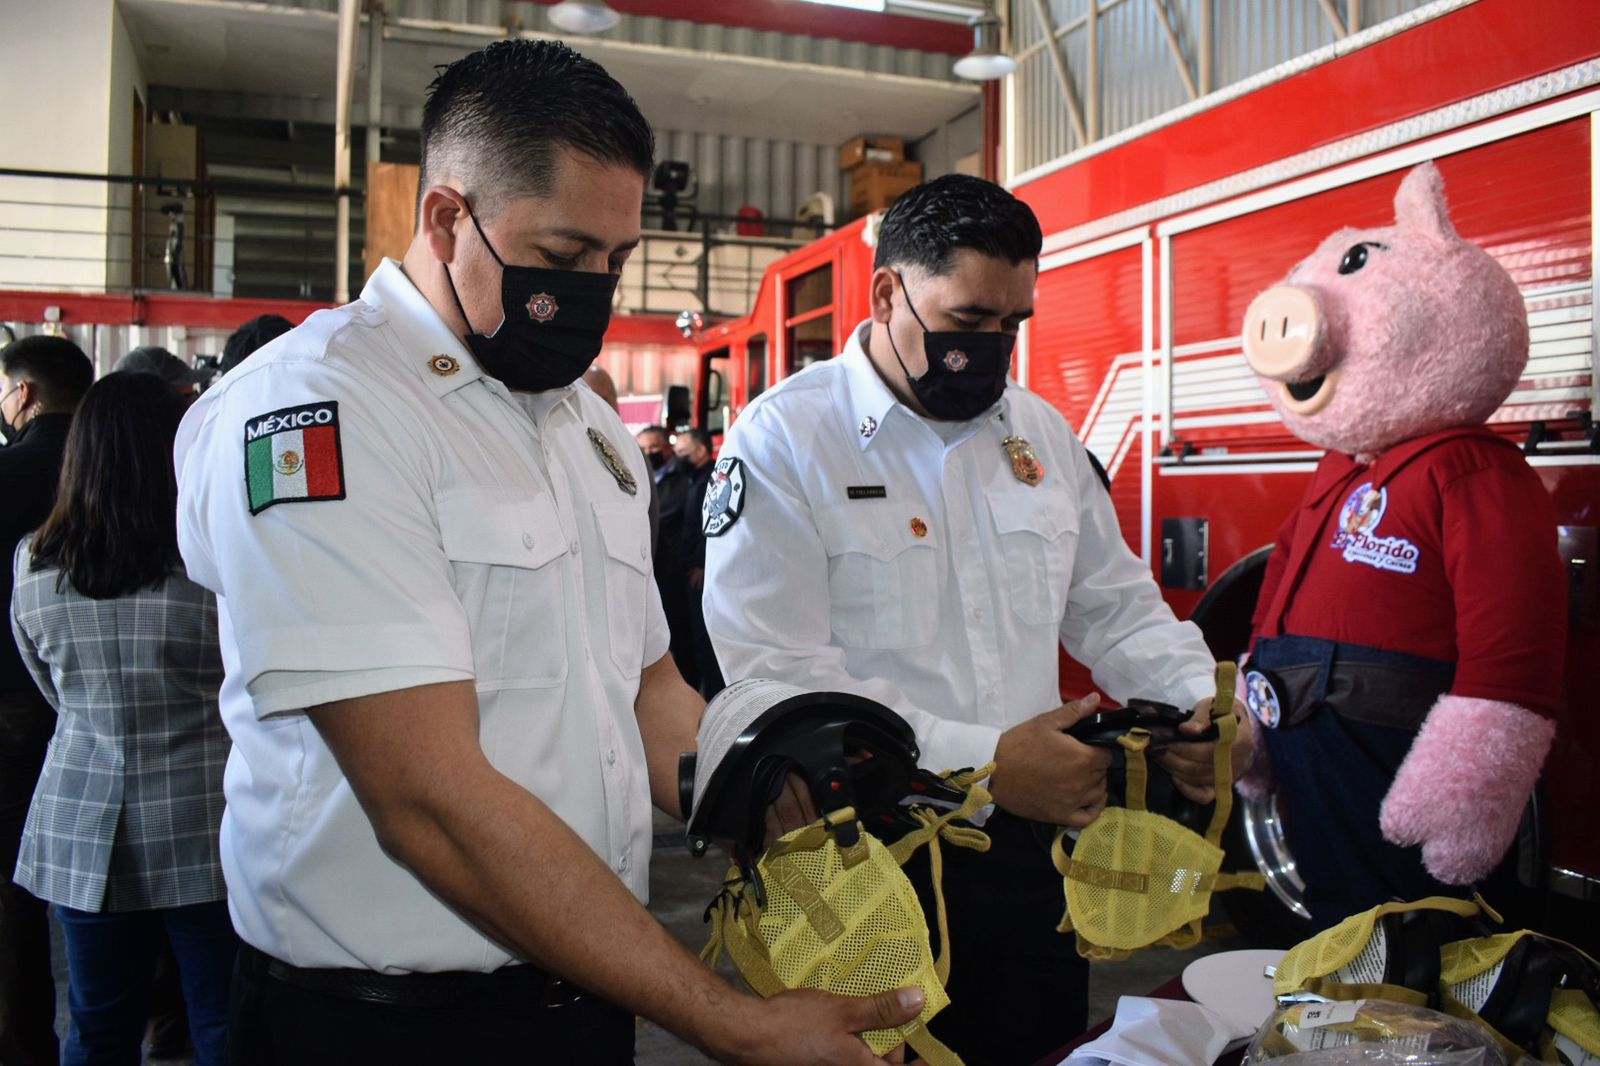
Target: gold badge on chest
x=613 y=462
x=1025 y=465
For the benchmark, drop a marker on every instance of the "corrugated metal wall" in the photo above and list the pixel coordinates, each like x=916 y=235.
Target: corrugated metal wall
x=1139 y=78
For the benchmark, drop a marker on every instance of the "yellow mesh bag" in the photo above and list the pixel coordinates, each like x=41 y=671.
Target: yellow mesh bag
x=1573 y=1016
x=846 y=919
x=1346 y=963
x=1341 y=954
x=1137 y=878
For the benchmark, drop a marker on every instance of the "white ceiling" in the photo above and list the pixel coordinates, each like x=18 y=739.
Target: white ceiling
x=291 y=52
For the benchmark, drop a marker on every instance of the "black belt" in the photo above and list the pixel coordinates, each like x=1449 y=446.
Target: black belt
x=1363 y=684
x=514 y=987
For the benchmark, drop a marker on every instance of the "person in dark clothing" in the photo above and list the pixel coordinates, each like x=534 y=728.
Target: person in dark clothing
x=673 y=506
x=254 y=334
x=41 y=380
x=692 y=450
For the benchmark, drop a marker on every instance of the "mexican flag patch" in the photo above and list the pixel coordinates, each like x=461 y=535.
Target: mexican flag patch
x=292 y=456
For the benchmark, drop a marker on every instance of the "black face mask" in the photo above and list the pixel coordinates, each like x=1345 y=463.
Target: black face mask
x=966 y=372
x=657 y=460
x=8 y=428
x=554 y=323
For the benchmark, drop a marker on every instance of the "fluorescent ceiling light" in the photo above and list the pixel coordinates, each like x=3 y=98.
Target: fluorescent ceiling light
x=583 y=16
x=858 y=5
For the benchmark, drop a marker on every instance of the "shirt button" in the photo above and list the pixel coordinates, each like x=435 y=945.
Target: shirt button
x=977 y=613
x=643 y=551
x=527 y=541
x=611 y=757
x=622 y=865
x=990 y=695
x=574 y=547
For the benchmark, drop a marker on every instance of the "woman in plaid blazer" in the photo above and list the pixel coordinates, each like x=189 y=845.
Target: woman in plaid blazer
x=122 y=833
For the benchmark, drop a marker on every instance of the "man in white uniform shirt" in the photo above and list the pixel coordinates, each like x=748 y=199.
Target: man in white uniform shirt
x=447 y=681
x=904 y=523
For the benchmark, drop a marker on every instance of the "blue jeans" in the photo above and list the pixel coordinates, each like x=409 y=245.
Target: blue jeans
x=111 y=959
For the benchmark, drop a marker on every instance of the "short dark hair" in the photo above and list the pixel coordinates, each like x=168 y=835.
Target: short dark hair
x=56 y=368
x=662 y=430
x=495 y=118
x=698 y=435
x=114 y=527
x=250 y=336
x=926 y=226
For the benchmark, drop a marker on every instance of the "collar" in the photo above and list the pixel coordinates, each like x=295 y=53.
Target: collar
x=1337 y=467
x=421 y=330
x=48 y=423
x=870 y=399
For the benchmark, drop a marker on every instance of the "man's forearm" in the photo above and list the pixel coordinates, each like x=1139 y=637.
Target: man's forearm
x=507 y=863
x=669 y=713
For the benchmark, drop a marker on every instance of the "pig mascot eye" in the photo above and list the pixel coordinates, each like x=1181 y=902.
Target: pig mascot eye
x=1355 y=258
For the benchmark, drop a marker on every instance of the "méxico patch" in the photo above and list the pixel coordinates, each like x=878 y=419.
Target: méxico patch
x=292 y=456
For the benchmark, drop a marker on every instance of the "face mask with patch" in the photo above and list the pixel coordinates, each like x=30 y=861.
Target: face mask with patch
x=553 y=325
x=966 y=372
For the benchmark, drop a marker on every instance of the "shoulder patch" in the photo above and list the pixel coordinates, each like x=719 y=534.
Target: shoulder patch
x=724 y=500
x=292 y=455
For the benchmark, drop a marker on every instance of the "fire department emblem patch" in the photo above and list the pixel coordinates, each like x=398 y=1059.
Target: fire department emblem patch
x=1025 y=465
x=613 y=462
x=955 y=360
x=1356 y=537
x=1261 y=699
x=724 y=500
x=542 y=307
x=443 y=365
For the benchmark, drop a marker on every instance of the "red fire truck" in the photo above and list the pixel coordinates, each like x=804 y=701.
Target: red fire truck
x=1157 y=240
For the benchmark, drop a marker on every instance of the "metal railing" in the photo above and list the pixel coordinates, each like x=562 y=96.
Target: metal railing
x=128 y=234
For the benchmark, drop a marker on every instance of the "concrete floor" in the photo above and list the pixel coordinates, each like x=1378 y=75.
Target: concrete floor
x=680 y=889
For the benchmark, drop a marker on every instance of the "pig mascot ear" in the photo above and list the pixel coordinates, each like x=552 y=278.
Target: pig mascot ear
x=1420 y=203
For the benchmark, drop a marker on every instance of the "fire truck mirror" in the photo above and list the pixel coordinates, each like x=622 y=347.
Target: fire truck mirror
x=1578 y=546
x=1183 y=553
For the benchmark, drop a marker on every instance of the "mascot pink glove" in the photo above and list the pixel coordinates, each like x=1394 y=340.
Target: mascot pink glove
x=1463 y=786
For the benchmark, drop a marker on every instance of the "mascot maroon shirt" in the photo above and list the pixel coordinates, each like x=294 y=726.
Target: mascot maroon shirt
x=1414 y=553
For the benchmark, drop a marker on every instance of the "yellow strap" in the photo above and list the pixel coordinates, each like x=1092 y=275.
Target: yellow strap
x=1327 y=989
x=1242 y=879
x=1134 y=741
x=1452 y=1006
x=1099 y=877
x=1222 y=755
x=807 y=896
x=929 y=1048
x=1063 y=863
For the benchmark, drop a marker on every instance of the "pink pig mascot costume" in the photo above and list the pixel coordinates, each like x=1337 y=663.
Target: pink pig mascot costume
x=1411 y=629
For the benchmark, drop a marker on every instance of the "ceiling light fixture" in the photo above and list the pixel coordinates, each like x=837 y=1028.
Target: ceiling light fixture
x=583 y=16
x=986 y=61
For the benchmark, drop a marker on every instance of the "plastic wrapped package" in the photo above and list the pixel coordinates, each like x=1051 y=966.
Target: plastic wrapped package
x=1373 y=1032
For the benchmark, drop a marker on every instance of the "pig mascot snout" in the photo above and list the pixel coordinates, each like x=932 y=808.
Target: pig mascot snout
x=1411 y=629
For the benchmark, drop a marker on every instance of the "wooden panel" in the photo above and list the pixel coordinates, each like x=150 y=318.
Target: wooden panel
x=391 y=211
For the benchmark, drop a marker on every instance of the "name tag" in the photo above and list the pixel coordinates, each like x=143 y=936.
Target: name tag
x=866 y=492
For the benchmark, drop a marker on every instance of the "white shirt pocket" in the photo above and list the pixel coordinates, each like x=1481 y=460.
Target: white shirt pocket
x=505 y=548
x=883 y=577
x=626 y=533
x=1038 y=535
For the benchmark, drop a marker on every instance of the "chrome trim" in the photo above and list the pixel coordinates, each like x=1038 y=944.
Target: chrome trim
x=1263 y=831
x=1574 y=885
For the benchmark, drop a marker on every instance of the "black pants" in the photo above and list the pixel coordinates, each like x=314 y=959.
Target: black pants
x=1018 y=989
x=273 y=1022
x=27 y=989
